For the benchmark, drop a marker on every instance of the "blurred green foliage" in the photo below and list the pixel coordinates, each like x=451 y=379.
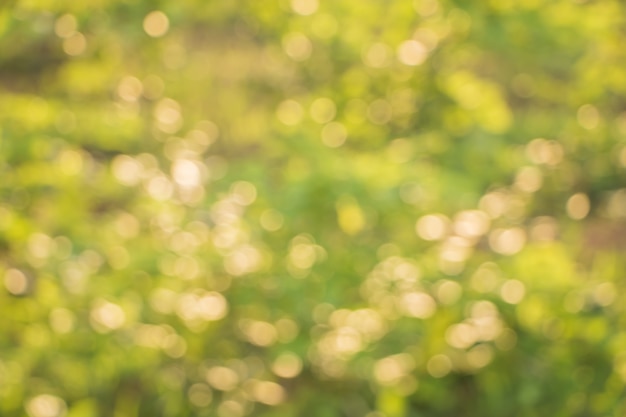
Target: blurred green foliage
x=293 y=208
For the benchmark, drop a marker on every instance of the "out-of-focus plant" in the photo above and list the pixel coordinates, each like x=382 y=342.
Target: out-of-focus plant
x=301 y=208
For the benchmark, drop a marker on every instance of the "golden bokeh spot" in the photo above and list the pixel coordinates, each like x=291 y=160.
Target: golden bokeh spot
x=271 y=220
x=507 y=241
x=75 y=44
x=46 y=405
x=16 y=282
x=588 y=116
x=106 y=316
x=297 y=46
x=542 y=151
x=432 y=226
x=578 y=206
x=222 y=378
x=512 y=291
x=304 y=7
x=156 y=24
x=323 y=110
x=350 y=216
x=290 y=112
x=129 y=88
x=426 y=8
x=412 y=52
x=267 y=392
x=186 y=173
x=287 y=365
x=334 y=134
x=378 y=55
x=439 y=366
x=200 y=395
x=529 y=179
x=65 y=26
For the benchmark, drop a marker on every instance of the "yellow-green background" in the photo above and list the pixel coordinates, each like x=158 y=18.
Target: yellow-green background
x=243 y=190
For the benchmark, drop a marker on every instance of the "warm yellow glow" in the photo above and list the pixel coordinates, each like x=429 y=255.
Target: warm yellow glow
x=323 y=110
x=202 y=306
x=507 y=241
x=106 y=316
x=495 y=204
x=15 y=282
x=156 y=24
x=544 y=229
x=287 y=365
x=529 y=179
x=426 y=8
x=71 y=162
x=350 y=217
x=432 y=227
x=455 y=249
x=297 y=46
x=379 y=111
x=485 y=278
x=400 y=150
x=129 y=89
x=412 y=52
x=290 y=112
x=302 y=255
x=392 y=369
x=268 y=392
x=259 y=333
x=46 y=405
x=419 y=304
x=480 y=356
x=461 y=336
x=439 y=366
x=127 y=225
x=271 y=220
x=150 y=335
x=62 y=320
x=186 y=173
x=448 y=292
x=40 y=245
x=167 y=114
x=513 y=291
x=200 y=395
x=368 y=322
x=230 y=408
x=605 y=294
x=588 y=116
x=324 y=25
x=126 y=170
x=334 y=134
x=578 y=206
x=163 y=300
x=616 y=206
x=222 y=378
x=542 y=151
x=118 y=257
x=65 y=26
x=160 y=188
x=378 y=55
x=506 y=340
x=471 y=223
x=344 y=341
x=243 y=260
x=244 y=192
x=75 y=44
x=304 y=7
